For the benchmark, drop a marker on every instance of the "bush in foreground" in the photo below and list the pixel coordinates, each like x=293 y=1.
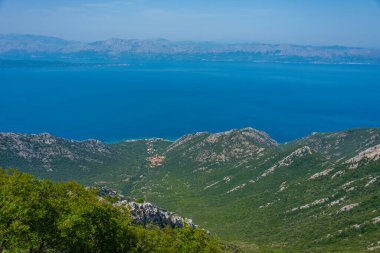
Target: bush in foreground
x=43 y=216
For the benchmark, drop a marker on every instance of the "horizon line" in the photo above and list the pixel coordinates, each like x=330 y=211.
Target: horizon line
x=192 y=41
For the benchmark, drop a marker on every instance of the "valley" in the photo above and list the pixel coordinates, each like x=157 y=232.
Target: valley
x=319 y=193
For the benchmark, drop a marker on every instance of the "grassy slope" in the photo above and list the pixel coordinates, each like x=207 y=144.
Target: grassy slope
x=201 y=169
x=237 y=216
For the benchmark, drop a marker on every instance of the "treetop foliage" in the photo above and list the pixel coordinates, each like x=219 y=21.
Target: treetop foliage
x=44 y=216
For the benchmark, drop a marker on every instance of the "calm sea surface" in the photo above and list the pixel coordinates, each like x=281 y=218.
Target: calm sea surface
x=168 y=99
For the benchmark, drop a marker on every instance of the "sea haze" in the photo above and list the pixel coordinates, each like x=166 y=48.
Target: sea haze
x=170 y=99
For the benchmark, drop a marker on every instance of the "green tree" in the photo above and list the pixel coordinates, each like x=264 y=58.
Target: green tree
x=41 y=216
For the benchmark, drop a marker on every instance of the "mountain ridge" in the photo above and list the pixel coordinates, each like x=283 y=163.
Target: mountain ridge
x=316 y=194
x=43 y=47
x=316 y=140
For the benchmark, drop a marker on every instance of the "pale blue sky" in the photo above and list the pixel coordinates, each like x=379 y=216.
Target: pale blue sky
x=324 y=22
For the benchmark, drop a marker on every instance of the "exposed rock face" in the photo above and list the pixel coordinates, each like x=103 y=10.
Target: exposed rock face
x=372 y=153
x=46 y=148
x=285 y=162
x=45 y=145
x=186 y=140
x=339 y=146
x=224 y=147
x=147 y=213
x=348 y=207
x=309 y=205
x=321 y=174
x=241 y=175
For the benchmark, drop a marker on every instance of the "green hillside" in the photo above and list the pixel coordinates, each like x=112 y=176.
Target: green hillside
x=40 y=216
x=320 y=193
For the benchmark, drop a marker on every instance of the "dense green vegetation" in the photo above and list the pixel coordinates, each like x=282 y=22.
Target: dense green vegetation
x=43 y=216
x=259 y=215
x=302 y=196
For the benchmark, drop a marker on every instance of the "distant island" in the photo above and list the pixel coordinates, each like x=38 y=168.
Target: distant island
x=26 y=47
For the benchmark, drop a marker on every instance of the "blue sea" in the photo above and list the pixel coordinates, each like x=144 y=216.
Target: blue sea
x=170 y=99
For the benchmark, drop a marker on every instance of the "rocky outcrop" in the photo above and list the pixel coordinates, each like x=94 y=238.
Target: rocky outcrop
x=46 y=149
x=371 y=154
x=285 y=162
x=340 y=146
x=240 y=176
x=348 y=208
x=147 y=213
x=224 y=147
x=45 y=145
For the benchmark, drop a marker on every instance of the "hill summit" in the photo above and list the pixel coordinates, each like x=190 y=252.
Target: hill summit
x=317 y=194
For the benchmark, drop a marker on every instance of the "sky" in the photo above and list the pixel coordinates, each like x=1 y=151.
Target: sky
x=323 y=22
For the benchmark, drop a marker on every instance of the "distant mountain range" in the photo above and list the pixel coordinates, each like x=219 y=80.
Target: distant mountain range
x=319 y=193
x=26 y=47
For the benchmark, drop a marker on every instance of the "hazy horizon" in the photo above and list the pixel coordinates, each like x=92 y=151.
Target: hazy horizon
x=343 y=23
x=194 y=41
